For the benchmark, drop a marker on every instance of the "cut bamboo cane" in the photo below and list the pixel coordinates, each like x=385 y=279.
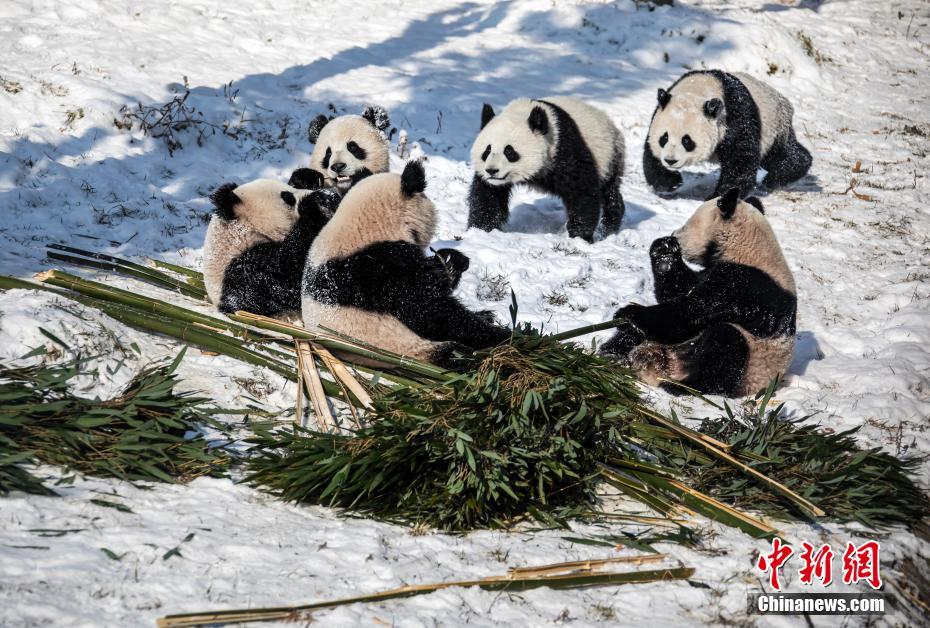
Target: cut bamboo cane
x=174 y=285
x=299 y=411
x=583 y=565
x=335 y=366
x=493 y=583
x=324 y=416
x=705 y=441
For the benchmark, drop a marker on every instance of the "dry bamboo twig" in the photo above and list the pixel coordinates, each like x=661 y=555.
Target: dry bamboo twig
x=312 y=377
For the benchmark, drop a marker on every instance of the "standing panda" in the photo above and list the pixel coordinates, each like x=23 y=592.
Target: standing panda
x=728 y=329
x=367 y=275
x=257 y=243
x=709 y=115
x=346 y=150
x=558 y=145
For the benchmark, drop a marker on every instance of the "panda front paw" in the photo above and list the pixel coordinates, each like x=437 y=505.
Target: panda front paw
x=664 y=253
x=624 y=340
x=306 y=179
x=322 y=202
x=455 y=263
x=668 y=182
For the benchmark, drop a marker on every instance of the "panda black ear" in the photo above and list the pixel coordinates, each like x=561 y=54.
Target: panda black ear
x=663 y=97
x=539 y=121
x=224 y=201
x=755 y=202
x=487 y=114
x=378 y=116
x=713 y=107
x=316 y=125
x=728 y=202
x=413 y=179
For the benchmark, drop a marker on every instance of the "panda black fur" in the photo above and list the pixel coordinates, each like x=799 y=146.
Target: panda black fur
x=257 y=243
x=558 y=145
x=367 y=275
x=710 y=115
x=728 y=329
x=346 y=150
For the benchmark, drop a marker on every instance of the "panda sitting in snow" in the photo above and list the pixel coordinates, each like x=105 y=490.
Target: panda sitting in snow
x=733 y=119
x=257 y=242
x=558 y=145
x=728 y=329
x=346 y=150
x=368 y=276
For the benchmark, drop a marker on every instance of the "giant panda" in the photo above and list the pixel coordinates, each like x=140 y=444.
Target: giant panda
x=558 y=145
x=346 y=149
x=368 y=276
x=257 y=242
x=728 y=329
x=733 y=119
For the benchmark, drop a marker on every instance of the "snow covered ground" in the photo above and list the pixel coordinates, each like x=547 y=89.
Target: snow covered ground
x=855 y=236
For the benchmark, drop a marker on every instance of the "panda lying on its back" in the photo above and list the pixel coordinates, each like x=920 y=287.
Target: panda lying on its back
x=559 y=145
x=709 y=115
x=257 y=242
x=728 y=329
x=368 y=277
x=347 y=149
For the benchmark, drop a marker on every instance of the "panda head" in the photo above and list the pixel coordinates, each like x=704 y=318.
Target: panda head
x=688 y=122
x=349 y=148
x=515 y=145
x=728 y=228
x=267 y=206
x=384 y=207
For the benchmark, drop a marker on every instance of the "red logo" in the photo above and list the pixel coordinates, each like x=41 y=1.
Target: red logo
x=859 y=563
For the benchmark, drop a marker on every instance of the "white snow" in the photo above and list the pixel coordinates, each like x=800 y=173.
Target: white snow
x=265 y=69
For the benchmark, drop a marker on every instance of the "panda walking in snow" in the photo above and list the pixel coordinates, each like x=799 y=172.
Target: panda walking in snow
x=733 y=119
x=728 y=329
x=558 y=145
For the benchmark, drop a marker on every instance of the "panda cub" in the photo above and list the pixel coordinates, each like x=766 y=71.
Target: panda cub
x=367 y=275
x=346 y=150
x=728 y=329
x=257 y=242
x=733 y=119
x=558 y=145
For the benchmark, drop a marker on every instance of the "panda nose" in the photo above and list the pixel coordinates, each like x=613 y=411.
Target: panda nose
x=492 y=171
x=337 y=167
x=671 y=162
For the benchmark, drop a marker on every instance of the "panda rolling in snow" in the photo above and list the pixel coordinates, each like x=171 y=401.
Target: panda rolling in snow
x=257 y=243
x=558 y=145
x=346 y=150
x=728 y=329
x=709 y=115
x=367 y=275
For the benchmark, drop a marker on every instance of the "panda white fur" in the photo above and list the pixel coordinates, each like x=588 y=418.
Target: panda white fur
x=257 y=242
x=733 y=119
x=367 y=275
x=346 y=150
x=559 y=145
x=728 y=329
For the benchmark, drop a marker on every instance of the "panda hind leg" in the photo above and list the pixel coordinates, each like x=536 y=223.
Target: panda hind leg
x=786 y=162
x=612 y=207
x=714 y=361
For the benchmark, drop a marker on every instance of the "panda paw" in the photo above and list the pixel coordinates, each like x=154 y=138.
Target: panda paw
x=455 y=263
x=306 y=179
x=322 y=202
x=667 y=183
x=624 y=340
x=453 y=356
x=664 y=253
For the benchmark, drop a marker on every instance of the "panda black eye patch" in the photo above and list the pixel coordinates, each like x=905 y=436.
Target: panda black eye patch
x=487 y=151
x=511 y=154
x=688 y=143
x=663 y=140
x=357 y=151
x=326 y=156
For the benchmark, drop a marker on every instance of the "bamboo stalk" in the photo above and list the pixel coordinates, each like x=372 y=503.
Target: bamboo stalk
x=583 y=565
x=181 y=270
x=493 y=583
x=299 y=414
x=588 y=329
x=312 y=377
x=705 y=441
x=339 y=370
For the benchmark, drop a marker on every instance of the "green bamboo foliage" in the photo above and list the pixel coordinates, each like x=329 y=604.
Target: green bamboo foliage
x=145 y=433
